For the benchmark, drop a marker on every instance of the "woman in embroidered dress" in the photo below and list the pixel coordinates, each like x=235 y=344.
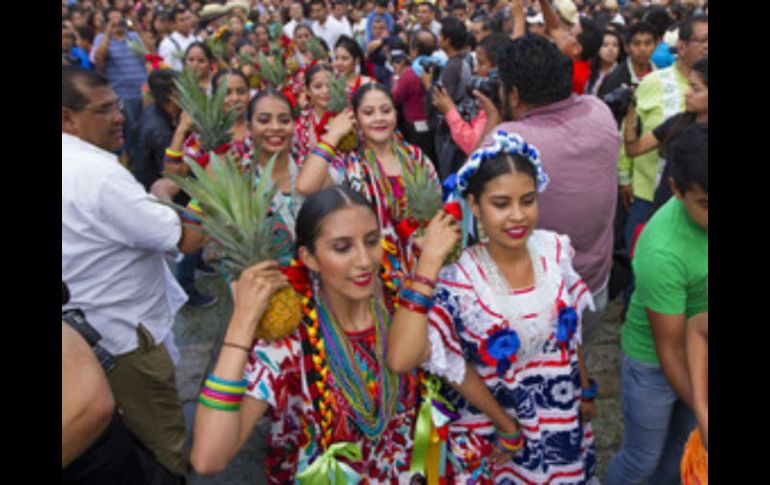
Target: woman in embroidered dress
x=310 y=122
x=349 y=62
x=511 y=308
x=199 y=58
x=375 y=170
x=302 y=35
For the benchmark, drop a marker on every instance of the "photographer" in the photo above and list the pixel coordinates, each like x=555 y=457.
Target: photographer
x=409 y=93
x=486 y=80
x=96 y=446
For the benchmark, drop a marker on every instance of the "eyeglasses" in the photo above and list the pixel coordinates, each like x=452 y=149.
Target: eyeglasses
x=107 y=109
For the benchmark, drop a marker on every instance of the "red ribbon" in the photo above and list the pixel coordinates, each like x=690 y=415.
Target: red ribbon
x=406 y=228
x=319 y=128
x=298 y=277
x=455 y=209
x=222 y=149
x=292 y=100
x=155 y=59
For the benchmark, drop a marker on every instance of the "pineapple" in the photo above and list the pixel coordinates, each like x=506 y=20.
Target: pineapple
x=219 y=49
x=272 y=71
x=212 y=124
x=316 y=50
x=236 y=214
x=424 y=201
x=338 y=102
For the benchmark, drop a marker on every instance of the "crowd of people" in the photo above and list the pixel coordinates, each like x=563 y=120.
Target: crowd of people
x=459 y=185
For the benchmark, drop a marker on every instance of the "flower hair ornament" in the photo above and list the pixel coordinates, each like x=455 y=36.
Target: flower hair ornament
x=504 y=143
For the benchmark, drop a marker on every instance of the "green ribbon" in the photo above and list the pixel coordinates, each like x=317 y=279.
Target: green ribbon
x=327 y=470
x=423 y=426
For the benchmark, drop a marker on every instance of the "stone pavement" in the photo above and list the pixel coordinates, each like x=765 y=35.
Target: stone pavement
x=199 y=333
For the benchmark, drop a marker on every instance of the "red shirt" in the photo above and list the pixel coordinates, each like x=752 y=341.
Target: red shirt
x=581 y=71
x=409 y=95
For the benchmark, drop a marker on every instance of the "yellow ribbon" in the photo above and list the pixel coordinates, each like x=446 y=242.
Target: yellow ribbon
x=327 y=470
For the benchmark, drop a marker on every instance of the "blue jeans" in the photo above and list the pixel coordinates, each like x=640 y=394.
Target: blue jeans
x=656 y=427
x=185 y=270
x=638 y=212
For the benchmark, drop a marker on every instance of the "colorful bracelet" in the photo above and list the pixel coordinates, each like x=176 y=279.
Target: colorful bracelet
x=173 y=156
x=320 y=153
x=413 y=307
x=511 y=446
x=589 y=393
x=222 y=394
x=327 y=148
x=416 y=278
x=415 y=297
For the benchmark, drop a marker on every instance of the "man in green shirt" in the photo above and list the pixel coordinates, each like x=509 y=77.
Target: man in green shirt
x=659 y=96
x=671 y=269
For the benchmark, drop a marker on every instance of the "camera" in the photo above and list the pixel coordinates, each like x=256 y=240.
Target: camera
x=433 y=66
x=618 y=101
x=488 y=86
x=76 y=319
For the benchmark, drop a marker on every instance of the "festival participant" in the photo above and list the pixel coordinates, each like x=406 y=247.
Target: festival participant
x=310 y=123
x=510 y=307
x=349 y=62
x=610 y=54
x=200 y=60
x=302 y=35
x=376 y=169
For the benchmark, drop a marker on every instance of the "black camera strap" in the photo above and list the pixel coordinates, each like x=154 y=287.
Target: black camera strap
x=77 y=320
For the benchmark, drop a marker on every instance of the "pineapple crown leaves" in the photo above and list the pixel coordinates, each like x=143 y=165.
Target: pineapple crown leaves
x=423 y=194
x=212 y=122
x=218 y=49
x=317 y=50
x=245 y=59
x=236 y=209
x=137 y=47
x=338 y=96
x=272 y=70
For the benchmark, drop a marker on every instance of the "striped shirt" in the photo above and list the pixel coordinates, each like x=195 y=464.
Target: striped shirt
x=124 y=70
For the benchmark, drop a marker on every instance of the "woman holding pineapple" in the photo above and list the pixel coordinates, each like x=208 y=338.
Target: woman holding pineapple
x=378 y=170
x=349 y=63
x=312 y=120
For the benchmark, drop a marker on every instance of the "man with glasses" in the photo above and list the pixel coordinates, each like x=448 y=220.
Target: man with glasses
x=659 y=96
x=115 y=238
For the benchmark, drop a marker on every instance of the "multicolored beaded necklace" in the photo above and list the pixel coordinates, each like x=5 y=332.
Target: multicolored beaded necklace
x=396 y=205
x=339 y=364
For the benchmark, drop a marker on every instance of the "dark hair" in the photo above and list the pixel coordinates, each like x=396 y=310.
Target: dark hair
x=596 y=63
x=176 y=11
x=202 y=46
x=589 y=38
x=161 y=83
x=71 y=76
x=641 y=27
x=500 y=165
x=242 y=42
x=689 y=158
x=353 y=48
x=382 y=3
x=702 y=68
x=687 y=26
x=458 y=6
x=319 y=2
x=266 y=93
x=423 y=47
x=659 y=18
x=493 y=44
x=86 y=33
x=686 y=119
x=453 y=29
x=303 y=26
x=321 y=66
x=224 y=71
x=319 y=205
x=358 y=96
x=537 y=68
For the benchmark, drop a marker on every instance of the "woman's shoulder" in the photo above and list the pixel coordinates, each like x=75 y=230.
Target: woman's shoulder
x=551 y=244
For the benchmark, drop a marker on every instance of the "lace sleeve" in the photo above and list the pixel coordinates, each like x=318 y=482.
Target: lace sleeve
x=576 y=292
x=446 y=356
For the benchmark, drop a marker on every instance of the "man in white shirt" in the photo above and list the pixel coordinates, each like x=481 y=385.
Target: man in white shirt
x=325 y=26
x=340 y=13
x=426 y=18
x=173 y=47
x=114 y=240
x=297 y=15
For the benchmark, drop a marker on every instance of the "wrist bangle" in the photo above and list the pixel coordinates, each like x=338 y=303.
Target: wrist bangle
x=174 y=153
x=413 y=307
x=424 y=280
x=237 y=346
x=590 y=392
x=412 y=296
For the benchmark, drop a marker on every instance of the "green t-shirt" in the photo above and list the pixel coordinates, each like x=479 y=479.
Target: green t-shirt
x=671 y=270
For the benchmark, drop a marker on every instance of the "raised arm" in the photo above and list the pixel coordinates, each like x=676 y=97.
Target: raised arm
x=519 y=19
x=314 y=175
x=636 y=145
x=218 y=435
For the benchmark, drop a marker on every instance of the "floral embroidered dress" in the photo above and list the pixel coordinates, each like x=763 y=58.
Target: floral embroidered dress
x=366 y=175
x=240 y=150
x=277 y=373
x=473 y=318
x=306 y=134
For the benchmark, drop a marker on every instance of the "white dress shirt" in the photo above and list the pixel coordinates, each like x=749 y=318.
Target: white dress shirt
x=114 y=239
x=331 y=31
x=169 y=51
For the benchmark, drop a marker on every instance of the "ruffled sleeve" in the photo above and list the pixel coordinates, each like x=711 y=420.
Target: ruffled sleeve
x=446 y=356
x=267 y=369
x=575 y=291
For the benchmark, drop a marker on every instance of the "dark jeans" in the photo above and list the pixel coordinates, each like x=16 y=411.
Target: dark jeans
x=132 y=111
x=185 y=270
x=637 y=214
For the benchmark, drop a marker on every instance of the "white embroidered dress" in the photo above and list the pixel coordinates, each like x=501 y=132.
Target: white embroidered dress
x=541 y=388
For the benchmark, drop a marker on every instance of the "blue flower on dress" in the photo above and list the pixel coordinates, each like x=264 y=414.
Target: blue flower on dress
x=499 y=350
x=567 y=324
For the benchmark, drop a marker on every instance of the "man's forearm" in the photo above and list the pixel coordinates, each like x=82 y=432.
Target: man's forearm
x=674 y=366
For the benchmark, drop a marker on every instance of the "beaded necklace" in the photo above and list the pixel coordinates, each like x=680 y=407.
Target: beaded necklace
x=395 y=205
x=320 y=330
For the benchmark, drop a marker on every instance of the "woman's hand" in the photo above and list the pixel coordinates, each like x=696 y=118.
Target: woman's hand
x=440 y=239
x=587 y=410
x=252 y=293
x=185 y=123
x=441 y=100
x=339 y=126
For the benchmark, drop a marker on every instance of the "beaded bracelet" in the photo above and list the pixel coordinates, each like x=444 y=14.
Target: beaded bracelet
x=589 y=393
x=511 y=442
x=416 y=297
x=222 y=394
x=320 y=153
x=424 y=280
x=412 y=306
x=327 y=148
x=173 y=156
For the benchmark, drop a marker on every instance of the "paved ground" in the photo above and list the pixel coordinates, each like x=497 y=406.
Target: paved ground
x=199 y=333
